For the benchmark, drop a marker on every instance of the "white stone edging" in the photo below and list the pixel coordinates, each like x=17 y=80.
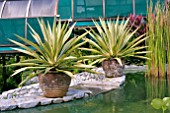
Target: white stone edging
x=31 y=95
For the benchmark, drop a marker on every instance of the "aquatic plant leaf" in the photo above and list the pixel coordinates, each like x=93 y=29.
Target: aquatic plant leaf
x=166 y=101
x=157 y=103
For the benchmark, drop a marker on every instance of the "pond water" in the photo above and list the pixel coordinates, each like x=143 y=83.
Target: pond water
x=133 y=97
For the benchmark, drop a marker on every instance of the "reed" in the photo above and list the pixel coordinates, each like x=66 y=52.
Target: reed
x=157 y=25
x=167 y=36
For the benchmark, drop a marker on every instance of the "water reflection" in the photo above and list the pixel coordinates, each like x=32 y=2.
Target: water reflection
x=168 y=86
x=156 y=87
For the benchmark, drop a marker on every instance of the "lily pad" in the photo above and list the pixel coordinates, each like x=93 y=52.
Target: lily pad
x=157 y=103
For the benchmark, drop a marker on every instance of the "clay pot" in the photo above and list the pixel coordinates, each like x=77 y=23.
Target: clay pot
x=112 y=68
x=54 y=84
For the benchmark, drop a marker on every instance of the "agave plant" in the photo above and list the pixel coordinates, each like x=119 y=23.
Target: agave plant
x=51 y=52
x=114 y=40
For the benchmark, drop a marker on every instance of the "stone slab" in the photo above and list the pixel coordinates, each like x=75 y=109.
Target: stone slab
x=28 y=104
x=68 y=98
x=7 y=104
x=57 y=100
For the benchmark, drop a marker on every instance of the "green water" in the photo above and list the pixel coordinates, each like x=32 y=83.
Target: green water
x=133 y=97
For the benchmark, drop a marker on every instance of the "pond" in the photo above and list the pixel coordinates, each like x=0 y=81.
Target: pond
x=133 y=97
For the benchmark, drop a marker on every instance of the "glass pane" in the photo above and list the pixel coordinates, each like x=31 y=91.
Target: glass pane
x=141 y=6
x=15 y=9
x=42 y=8
x=116 y=8
x=33 y=22
x=10 y=27
x=64 y=9
x=88 y=9
x=1 y=4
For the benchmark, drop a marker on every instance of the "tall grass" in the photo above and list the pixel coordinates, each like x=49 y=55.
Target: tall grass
x=158 y=43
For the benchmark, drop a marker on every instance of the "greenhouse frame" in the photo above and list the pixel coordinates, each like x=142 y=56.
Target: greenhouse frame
x=15 y=15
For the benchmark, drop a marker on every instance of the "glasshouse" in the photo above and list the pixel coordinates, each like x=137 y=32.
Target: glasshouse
x=85 y=56
x=15 y=15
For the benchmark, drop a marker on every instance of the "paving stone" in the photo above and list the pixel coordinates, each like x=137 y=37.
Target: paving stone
x=29 y=95
x=24 y=88
x=68 y=98
x=22 y=92
x=44 y=101
x=39 y=90
x=36 y=86
x=5 y=94
x=79 y=95
x=18 y=89
x=7 y=104
x=10 y=95
x=32 y=81
x=71 y=92
x=57 y=100
x=32 y=91
x=28 y=104
x=86 y=95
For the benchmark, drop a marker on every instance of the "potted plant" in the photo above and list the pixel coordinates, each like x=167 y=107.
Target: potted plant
x=51 y=58
x=112 y=42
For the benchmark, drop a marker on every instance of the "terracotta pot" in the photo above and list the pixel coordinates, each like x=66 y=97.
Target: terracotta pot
x=112 y=68
x=54 y=84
